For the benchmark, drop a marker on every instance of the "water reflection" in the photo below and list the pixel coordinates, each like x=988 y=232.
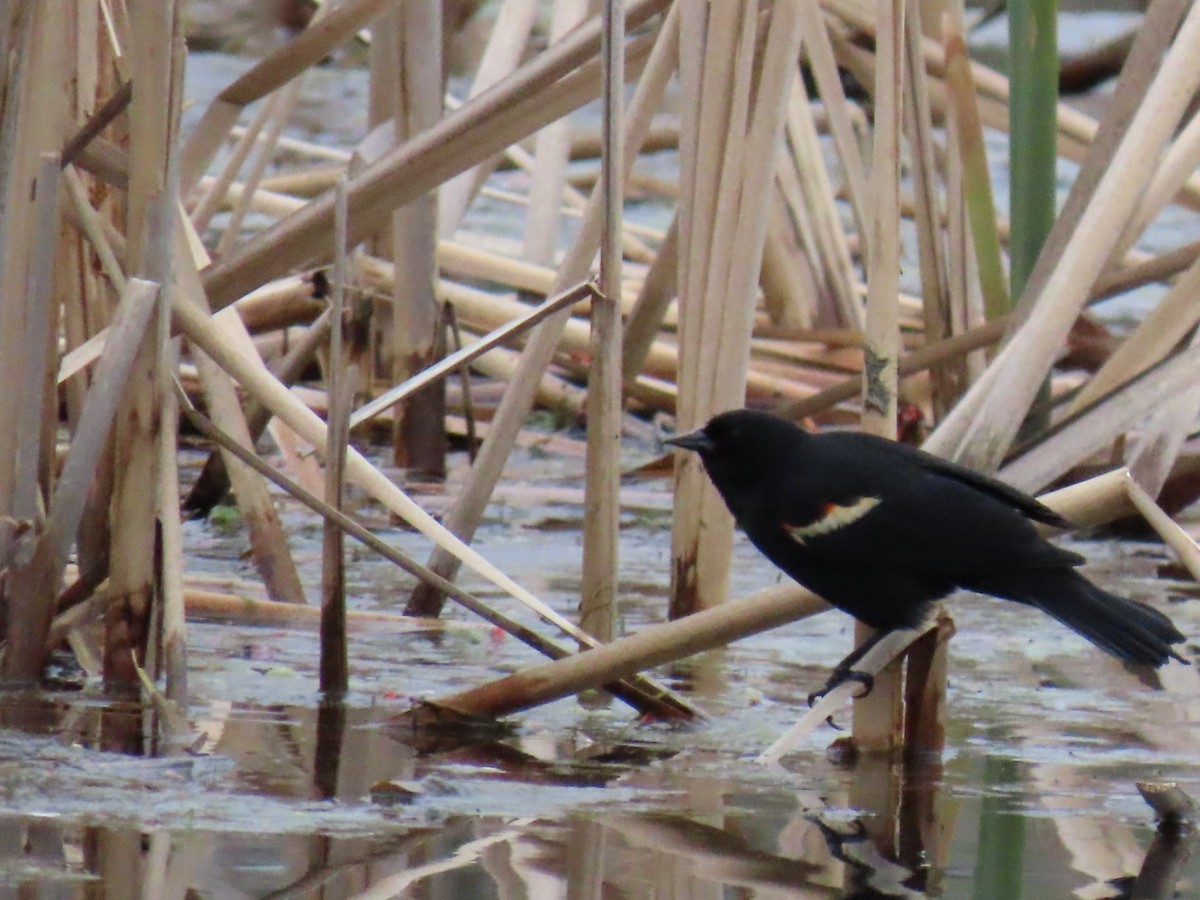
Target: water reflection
x=882 y=830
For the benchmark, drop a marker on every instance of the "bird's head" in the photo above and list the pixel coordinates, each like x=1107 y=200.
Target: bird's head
x=737 y=447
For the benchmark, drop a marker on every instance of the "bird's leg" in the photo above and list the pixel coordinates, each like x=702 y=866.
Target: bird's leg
x=844 y=671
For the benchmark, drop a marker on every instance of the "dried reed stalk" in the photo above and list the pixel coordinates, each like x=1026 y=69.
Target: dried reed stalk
x=419 y=433
x=651 y=646
x=981 y=428
x=212 y=484
x=963 y=111
x=965 y=298
x=723 y=229
x=1157 y=335
x=213 y=606
x=257 y=381
x=38 y=581
x=168 y=654
x=268 y=543
x=1176 y=166
x=216 y=188
x=708 y=54
x=308 y=49
x=38 y=401
x=510 y=35
x=945 y=380
x=552 y=148
x=879 y=719
x=280 y=108
x=804 y=185
x=1168 y=529
x=1094 y=427
x=650 y=309
x=602 y=485
x=642 y=693
x=1157 y=30
x=156 y=55
x=819 y=52
x=1153 y=456
x=33 y=103
x=889 y=651
x=788 y=281
x=518 y=399
x=541 y=91
x=454 y=361
x=335 y=666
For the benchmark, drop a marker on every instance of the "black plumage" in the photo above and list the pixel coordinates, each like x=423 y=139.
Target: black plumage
x=882 y=530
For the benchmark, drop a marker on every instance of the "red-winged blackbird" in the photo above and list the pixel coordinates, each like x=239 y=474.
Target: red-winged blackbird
x=882 y=530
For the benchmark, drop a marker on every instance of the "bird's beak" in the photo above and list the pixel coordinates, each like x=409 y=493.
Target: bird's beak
x=693 y=440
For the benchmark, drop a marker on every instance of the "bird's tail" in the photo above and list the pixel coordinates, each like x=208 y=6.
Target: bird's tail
x=1126 y=629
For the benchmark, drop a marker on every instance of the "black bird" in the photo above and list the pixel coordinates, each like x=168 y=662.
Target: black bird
x=881 y=530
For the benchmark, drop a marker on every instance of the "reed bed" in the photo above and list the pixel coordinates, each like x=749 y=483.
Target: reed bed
x=131 y=293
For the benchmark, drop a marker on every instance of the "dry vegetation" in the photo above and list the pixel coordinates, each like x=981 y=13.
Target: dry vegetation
x=121 y=306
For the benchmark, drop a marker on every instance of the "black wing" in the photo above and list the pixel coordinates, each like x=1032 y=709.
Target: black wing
x=931 y=516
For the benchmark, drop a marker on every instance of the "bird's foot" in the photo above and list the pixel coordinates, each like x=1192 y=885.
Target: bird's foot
x=841 y=676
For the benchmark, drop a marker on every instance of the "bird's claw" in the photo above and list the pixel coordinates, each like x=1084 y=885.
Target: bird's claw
x=841 y=676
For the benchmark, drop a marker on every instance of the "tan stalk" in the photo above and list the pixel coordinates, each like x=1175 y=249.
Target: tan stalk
x=1168 y=529
x=1175 y=167
x=281 y=106
x=518 y=399
x=30 y=124
x=1159 y=332
x=602 y=505
x=981 y=428
x=648 y=312
x=215 y=189
x=710 y=64
x=819 y=52
x=335 y=666
x=40 y=346
x=787 y=282
x=964 y=297
x=649 y=647
x=268 y=543
x=560 y=79
x=1162 y=436
x=170 y=659
x=156 y=53
x=28 y=622
x=443 y=367
x=508 y=40
x=308 y=49
x=258 y=382
x=1098 y=425
x=878 y=718
x=419 y=435
x=819 y=198
x=574 y=202
x=946 y=382
x=642 y=693
x=552 y=148
x=888 y=652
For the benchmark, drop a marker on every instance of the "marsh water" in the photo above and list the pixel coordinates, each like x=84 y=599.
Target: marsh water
x=1036 y=795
